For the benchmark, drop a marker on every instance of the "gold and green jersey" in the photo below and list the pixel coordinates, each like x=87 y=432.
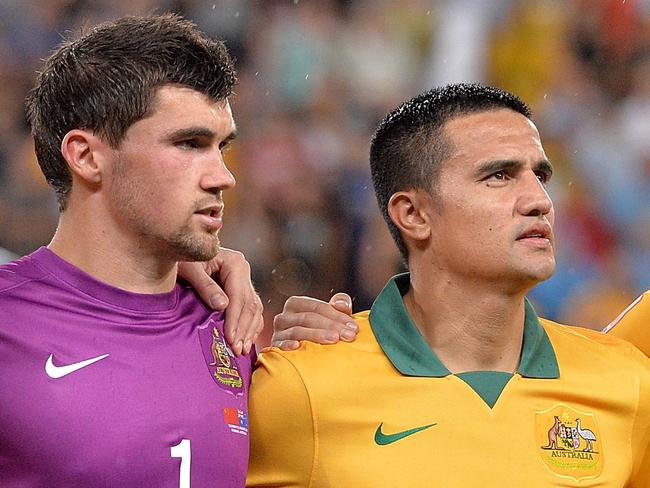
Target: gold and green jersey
x=383 y=411
x=634 y=323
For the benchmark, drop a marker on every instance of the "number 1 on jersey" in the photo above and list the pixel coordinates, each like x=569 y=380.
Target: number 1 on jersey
x=183 y=450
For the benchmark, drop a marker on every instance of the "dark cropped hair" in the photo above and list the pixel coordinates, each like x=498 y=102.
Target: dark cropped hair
x=105 y=81
x=410 y=144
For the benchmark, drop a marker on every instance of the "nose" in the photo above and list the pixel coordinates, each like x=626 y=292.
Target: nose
x=533 y=200
x=217 y=176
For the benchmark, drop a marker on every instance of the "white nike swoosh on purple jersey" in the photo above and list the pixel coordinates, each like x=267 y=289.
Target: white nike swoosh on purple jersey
x=54 y=371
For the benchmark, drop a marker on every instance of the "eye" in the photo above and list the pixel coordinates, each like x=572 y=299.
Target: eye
x=497 y=177
x=543 y=176
x=189 y=144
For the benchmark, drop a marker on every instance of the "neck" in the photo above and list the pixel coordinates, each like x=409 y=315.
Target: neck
x=105 y=254
x=469 y=325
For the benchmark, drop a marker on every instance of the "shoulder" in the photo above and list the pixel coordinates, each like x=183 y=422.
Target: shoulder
x=311 y=367
x=613 y=367
x=311 y=356
x=571 y=335
x=190 y=302
x=290 y=393
x=15 y=274
x=576 y=345
x=633 y=324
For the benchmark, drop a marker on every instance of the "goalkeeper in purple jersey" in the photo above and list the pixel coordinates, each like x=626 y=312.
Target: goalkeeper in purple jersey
x=112 y=373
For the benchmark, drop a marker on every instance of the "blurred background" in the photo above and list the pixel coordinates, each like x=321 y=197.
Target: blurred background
x=316 y=76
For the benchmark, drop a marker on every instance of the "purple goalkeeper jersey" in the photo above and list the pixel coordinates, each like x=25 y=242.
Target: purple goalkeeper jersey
x=103 y=387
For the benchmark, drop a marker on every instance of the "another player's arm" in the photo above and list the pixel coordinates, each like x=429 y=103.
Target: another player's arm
x=236 y=295
x=310 y=319
x=281 y=425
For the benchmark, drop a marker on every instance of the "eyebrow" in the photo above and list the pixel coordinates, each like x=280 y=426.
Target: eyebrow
x=189 y=132
x=198 y=131
x=490 y=167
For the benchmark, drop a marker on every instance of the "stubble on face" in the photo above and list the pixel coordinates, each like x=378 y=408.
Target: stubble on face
x=188 y=246
x=183 y=244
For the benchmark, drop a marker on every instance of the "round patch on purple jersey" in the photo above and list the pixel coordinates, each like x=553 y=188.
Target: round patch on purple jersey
x=219 y=358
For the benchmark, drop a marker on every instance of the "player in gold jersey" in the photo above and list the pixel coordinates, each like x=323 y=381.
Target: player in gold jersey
x=454 y=380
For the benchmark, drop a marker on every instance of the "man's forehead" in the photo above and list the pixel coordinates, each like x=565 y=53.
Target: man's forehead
x=170 y=94
x=177 y=109
x=492 y=130
x=493 y=135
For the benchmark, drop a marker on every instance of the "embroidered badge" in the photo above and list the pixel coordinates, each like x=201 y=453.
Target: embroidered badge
x=220 y=359
x=569 y=442
x=236 y=420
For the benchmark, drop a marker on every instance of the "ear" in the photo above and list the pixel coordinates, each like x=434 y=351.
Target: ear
x=82 y=150
x=409 y=211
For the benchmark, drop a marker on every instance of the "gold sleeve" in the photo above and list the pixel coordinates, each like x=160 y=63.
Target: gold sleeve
x=641 y=433
x=633 y=324
x=642 y=478
x=280 y=425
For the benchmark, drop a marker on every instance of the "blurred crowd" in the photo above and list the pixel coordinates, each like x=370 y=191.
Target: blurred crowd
x=315 y=77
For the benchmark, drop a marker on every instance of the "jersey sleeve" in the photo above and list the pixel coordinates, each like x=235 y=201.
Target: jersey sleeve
x=281 y=426
x=641 y=431
x=642 y=478
x=633 y=324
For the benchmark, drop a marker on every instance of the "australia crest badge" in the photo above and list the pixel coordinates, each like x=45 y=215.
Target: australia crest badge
x=569 y=442
x=219 y=358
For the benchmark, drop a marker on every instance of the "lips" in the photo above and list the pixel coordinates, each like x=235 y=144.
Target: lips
x=211 y=216
x=214 y=211
x=539 y=235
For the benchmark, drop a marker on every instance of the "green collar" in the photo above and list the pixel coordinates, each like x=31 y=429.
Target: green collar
x=405 y=347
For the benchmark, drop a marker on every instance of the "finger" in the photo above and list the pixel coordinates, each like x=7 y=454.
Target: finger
x=237 y=348
x=295 y=322
x=232 y=330
x=342 y=302
x=252 y=315
x=245 y=308
x=304 y=304
x=297 y=309
x=236 y=326
x=245 y=321
x=287 y=345
x=258 y=329
x=208 y=289
x=299 y=333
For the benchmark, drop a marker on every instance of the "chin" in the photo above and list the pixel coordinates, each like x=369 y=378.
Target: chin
x=195 y=248
x=202 y=255
x=528 y=276
x=543 y=273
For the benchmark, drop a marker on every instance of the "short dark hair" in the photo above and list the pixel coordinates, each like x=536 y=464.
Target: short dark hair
x=409 y=144
x=106 y=80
